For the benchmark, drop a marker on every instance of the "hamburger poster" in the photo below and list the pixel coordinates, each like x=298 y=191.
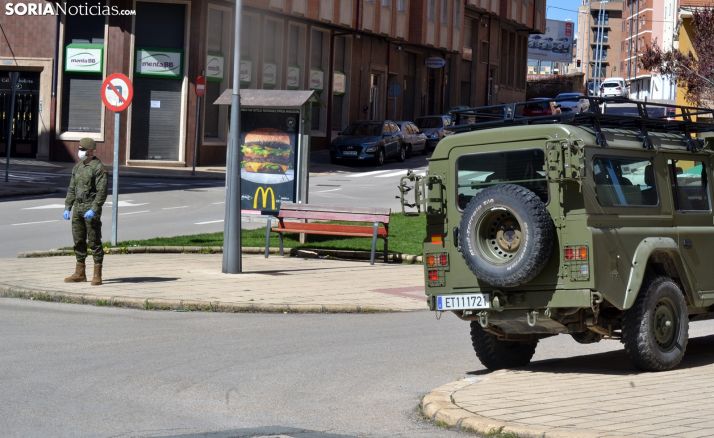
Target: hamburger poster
x=268 y=158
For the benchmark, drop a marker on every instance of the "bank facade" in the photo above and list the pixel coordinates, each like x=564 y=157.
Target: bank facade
x=366 y=59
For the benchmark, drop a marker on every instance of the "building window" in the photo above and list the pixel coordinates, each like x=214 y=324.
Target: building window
x=444 y=12
x=431 y=10
x=318 y=78
x=217 y=73
x=249 y=50
x=402 y=5
x=81 y=110
x=295 y=72
x=386 y=3
x=341 y=83
x=272 y=54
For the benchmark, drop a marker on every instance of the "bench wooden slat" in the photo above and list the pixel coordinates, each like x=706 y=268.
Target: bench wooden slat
x=332 y=215
x=335 y=209
x=331 y=229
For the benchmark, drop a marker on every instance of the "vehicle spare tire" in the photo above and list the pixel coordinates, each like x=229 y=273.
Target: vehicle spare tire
x=506 y=235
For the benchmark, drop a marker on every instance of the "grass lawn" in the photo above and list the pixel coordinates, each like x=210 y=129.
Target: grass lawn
x=406 y=236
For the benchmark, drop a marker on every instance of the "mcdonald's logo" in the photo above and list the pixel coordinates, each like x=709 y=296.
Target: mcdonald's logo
x=263 y=193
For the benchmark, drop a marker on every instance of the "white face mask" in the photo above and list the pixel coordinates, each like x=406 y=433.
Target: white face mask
x=82 y=155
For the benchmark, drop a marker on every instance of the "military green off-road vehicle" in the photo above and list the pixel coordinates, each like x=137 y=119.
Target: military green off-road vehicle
x=595 y=225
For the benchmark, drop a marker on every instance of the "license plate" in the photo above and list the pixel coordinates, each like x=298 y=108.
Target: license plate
x=461 y=302
x=349 y=153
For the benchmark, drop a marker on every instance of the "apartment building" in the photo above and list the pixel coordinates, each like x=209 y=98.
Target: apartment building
x=646 y=22
x=599 y=36
x=365 y=59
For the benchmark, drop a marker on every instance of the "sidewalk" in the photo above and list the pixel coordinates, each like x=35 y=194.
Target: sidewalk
x=195 y=282
x=589 y=396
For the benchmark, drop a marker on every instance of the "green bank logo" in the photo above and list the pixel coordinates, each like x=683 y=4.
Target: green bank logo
x=160 y=63
x=84 y=58
x=214 y=67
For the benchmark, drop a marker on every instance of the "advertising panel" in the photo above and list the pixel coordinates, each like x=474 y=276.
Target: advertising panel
x=83 y=58
x=268 y=139
x=556 y=44
x=160 y=63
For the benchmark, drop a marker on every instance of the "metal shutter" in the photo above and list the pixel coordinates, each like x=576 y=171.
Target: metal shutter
x=155 y=131
x=82 y=109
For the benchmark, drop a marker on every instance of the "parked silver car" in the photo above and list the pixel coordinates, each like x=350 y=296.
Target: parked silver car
x=572 y=102
x=413 y=139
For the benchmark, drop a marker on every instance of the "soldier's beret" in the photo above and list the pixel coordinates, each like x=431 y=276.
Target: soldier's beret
x=87 y=143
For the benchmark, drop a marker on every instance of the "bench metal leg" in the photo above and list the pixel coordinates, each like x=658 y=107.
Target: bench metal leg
x=386 y=250
x=281 y=243
x=268 y=225
x=375 y=229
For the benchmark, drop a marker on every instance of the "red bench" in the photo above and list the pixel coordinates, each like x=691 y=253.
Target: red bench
x=291 y=219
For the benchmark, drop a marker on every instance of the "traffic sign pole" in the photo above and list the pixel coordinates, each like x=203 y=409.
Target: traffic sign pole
x=200 y=91
x=117 y=93
x=115 y=179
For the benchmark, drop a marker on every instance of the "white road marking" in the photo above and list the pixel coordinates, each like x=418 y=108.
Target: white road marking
x=208 y=222
x=401 y=172
x=175 y=208
x=33 y=223
x=328 y=190
x=45 y=207
x=135 y=212
x=361 y=175
x=127 y=203
x=218 y=203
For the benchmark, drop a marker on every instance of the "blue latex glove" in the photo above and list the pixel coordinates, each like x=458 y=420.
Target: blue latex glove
x=65 y=215
x=89 y=214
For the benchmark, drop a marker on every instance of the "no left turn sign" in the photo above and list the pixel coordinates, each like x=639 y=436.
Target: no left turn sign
x=117 y=92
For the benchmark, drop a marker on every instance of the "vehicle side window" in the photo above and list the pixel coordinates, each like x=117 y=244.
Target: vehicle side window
x=623 y=182
x=478 y=171
x=689 y=185
x=386 y=129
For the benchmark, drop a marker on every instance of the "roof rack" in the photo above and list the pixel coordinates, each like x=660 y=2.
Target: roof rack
x=603 y=112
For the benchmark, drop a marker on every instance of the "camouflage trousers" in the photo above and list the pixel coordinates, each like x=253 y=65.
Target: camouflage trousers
x=87 y=233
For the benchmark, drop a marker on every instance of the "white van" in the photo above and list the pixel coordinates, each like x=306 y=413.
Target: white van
x=614 y=87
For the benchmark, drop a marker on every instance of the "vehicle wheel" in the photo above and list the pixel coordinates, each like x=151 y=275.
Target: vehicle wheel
x=655 y=330
x=409 y=151
x=333 y=159
x=586 y=337
x=402 y=154
x=379 y=158
x=495 y=354
x=425 y=151
x=506 y=235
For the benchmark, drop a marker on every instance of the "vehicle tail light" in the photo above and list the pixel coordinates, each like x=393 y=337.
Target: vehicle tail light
x=433 y=275
x=576 y=253
x=440 y=260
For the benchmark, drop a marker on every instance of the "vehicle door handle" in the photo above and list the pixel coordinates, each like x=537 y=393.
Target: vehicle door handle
x=687 y=243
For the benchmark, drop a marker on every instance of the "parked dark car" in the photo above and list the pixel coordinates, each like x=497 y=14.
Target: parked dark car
x=368 y=141
x=435 y=128
x=412 y=138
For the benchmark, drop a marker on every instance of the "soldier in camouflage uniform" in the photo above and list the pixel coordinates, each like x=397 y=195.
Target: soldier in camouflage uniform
x=85 y=196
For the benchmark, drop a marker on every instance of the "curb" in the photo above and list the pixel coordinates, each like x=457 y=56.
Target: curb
x=438 y=406
x=8 y=291
x=292 y=252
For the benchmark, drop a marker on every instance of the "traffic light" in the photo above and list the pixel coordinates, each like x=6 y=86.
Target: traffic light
x=577 y=63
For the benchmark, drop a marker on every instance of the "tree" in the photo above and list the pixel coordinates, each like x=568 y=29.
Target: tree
x=694 y=71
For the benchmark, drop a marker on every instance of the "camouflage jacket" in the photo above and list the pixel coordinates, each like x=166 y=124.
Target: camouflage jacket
x=88 y=186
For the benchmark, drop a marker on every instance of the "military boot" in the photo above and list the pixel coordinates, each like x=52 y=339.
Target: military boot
x=79 y=274
x=97 y=279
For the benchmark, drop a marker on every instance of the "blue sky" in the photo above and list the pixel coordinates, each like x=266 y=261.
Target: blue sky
x=555 y=10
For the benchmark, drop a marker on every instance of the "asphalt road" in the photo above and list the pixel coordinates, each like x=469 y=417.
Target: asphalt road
x=71 y=370
x=151 y=207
